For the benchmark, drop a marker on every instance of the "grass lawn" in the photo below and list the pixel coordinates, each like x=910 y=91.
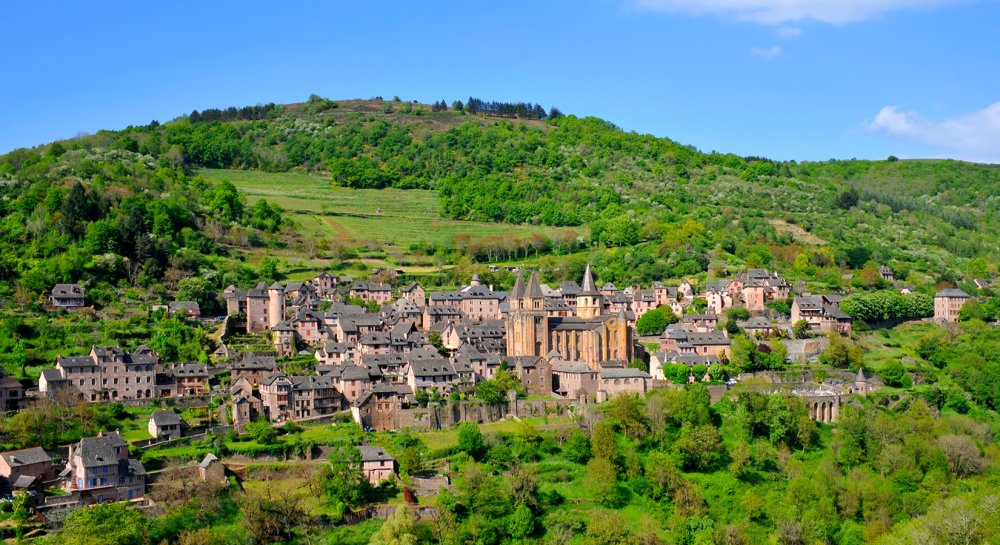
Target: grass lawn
x=896 y=344
x=354 y=217
x=440 y=439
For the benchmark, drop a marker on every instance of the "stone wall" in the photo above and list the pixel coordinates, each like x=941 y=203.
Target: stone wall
x=444 y=415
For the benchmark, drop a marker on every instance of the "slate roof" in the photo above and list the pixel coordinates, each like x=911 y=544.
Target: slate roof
x=165 y=418
x=374 y=454
x=100 y=450
x=952 y=292
x=28 y=456
x=436 y=367
x=626 y=372
x=67 y=291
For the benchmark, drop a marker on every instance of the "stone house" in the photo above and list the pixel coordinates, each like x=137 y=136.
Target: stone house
x=108 y=373
x=534 y=372
x=334 y=353
x=437 y=316
x=247 y=408
x=210 y=469
x=325 y=285
x=253 y=367
x=823 y=314
x=425 y=374
x=164 y=425
x=379 y=407
x=67 y=296
x=573 y=380
x=414 y=294
x=376 y=464
x=886 y=274
x=100 y=470
x=189 y=308
x=276 y=396
x=379 y=292
x=26 y=467
x=947 y=304
x=190 y=378
x=625 y=380
x=12 y=396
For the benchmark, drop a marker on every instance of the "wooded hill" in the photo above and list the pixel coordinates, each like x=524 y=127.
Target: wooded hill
x=678 y=209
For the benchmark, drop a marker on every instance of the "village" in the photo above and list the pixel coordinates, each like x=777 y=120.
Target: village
x=419 y=361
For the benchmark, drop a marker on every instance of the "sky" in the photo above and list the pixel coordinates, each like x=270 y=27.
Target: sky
x=785 y=79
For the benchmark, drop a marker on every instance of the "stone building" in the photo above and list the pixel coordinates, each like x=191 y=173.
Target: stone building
x=376 y=464
x=106 y=374
x=589 y=337
x=164 y=425
x=100 y=470
x=948 y=303
x=67 y=296
x=26 y=467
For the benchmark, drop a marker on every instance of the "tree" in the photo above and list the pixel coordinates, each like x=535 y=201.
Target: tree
x=411 y=461
x=399 y=529
x=604 y=444
x=848 y=199
x=195 y=289
x=577 y=448
x=271 y=519
x=601 y=479
x=963 y=454
x=106 y=524
x=522 y=522
x=699 y=448
x=801 y=329
x=655 y=321
x=343 y=478
x=262 y=432
x=471 y=441
x=607 y=528
x=895 y=374
x=842 y=353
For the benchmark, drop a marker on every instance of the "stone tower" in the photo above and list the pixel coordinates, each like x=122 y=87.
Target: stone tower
x=589 y=302
x=527 y=322
x=275 y=305
x=861 y=385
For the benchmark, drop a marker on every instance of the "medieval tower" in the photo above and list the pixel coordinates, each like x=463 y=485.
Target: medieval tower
x=527 y=322
x=589 y=302
x=275 y=305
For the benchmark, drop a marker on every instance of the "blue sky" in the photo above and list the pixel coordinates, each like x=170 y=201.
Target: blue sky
x=787 y=79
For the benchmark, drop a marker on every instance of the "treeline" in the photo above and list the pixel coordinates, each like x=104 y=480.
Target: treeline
x=885 y=305
x=231 y=113
x=897 y=202
x=522 y=110
x=108 y=217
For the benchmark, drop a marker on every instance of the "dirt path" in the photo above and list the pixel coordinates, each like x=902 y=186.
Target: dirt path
x=343 y=234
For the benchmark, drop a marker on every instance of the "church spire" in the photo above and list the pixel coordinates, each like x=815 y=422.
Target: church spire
x=534 y=290
x=518 y=291
x=589 y=288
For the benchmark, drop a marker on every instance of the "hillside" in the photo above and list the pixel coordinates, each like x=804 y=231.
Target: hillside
x=676 y=208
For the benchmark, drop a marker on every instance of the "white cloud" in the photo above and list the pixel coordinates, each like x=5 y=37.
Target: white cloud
x=789 y=32
x=973 y=136
x=766 y=53
x=776 y=12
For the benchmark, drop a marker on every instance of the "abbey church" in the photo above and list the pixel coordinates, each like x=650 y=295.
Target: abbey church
x=591 y=337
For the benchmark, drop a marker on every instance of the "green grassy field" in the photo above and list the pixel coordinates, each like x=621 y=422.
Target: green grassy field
x=389 y=218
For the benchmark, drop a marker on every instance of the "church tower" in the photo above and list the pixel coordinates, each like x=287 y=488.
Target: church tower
x=589 y=302
x=527 y=322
